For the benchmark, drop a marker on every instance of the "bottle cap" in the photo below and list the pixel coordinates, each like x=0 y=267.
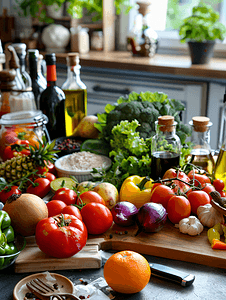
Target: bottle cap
x=33 y=53
x=20 y=48
x=200 y=123
x=50 y=59
x=73 y=59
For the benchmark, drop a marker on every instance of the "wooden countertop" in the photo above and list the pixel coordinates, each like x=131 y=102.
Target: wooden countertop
x=164 y=64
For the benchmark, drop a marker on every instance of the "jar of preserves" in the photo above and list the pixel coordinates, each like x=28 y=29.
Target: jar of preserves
x=23 y=125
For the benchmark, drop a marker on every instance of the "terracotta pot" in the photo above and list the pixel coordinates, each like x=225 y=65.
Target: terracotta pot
x=201 y=52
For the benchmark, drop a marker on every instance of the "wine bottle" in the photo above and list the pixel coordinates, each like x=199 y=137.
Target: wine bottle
x=38 y=84
x=52 y=100
x=76 y=95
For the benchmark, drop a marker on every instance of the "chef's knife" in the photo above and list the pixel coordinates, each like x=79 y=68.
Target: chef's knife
x=162 y=271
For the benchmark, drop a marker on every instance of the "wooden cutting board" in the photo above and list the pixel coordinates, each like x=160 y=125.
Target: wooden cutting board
x=167 y=243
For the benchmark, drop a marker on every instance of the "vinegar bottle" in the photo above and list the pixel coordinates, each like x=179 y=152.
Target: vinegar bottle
x=52 y=100
x=201 y=155
x=165 y=147
x=75 y=93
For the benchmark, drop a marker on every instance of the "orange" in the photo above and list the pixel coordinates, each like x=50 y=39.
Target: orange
x=127 y=272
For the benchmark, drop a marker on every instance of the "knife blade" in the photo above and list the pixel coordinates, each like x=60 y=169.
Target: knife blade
x=162 y=271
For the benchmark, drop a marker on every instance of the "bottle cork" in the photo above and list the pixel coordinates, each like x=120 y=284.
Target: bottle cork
x=167 y=122
x=73 y=59
x=200 y=123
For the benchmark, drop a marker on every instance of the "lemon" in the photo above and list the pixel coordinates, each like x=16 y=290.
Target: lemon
x=60 y=182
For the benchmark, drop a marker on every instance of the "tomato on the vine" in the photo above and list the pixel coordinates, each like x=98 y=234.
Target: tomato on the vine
x=55 y=207
x=90 y=196
x=178 y=208
x=218 y=184
x=40 y=187
x=198 y=178
x=8 y=191
x=66 y=195
x=209 y=188
x=161 y=194
x=97 y=217
x=61 y=236
x=198 y=198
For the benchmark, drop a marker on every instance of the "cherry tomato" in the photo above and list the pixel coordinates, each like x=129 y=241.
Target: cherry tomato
x=90 y=196
x=209 y=188
x=198 y=178
x=178 y=208
x=61 y=236
x=218 y=184
x=41 y=187
x=161 y=194
x=50 y=176
x=223 y=194
x=97 y=218
x=66 y=195
x=197 y=198
x=20 y=147
x=41 y=170
x=55 y=207
x=72 y=210
x=8 y=191
x=51 y=168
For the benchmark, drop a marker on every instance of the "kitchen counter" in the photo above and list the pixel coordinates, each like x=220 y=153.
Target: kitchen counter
x=178 y=66
x=209 y=282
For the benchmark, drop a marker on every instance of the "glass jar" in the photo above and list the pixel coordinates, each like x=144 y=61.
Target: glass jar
x=165 y=147
x=29 y=125
x=201 y=155
x=97 y=41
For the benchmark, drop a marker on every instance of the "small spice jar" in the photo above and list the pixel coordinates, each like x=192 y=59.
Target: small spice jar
x=165 y=147
x=97 y=41
x=26 y=125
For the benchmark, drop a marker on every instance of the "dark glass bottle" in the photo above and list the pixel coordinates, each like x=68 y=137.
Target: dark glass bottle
x=52 y=100
x=38 y=85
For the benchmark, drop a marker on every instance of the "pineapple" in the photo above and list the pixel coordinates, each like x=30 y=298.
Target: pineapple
x=21 y=166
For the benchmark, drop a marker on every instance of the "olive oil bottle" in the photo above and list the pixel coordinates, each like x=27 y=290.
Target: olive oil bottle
x=76 y=95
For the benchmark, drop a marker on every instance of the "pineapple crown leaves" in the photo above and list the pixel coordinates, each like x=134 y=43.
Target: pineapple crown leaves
x=44 y=153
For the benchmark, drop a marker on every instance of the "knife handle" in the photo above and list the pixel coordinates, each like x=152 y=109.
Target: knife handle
x=172 y=274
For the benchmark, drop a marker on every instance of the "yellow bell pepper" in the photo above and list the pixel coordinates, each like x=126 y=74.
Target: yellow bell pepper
x=137 y=190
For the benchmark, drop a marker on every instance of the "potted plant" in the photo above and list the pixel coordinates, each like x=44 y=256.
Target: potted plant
x=74 y=8
x=201 y=30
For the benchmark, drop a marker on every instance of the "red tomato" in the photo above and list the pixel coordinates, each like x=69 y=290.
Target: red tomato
x=61 y=236
x=209 y=188
x=223 y=194
x=178 y=208
x=161 y=194
x=51 y=168
x=66 y=195
x=55 y=207
x=155 y=185
x=41 y=187
x=198 y=178
x=50 y=176
x=197 y=198
x=218 y=184
x=72 y=210
x=8 y=191
x=90 y=196
x=97 y=218
x=20 y=147
x=41 y=170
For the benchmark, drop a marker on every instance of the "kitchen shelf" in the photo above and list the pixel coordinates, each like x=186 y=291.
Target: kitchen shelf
x=107 y=25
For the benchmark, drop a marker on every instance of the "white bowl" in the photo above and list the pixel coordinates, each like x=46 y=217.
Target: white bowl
x=80 y=175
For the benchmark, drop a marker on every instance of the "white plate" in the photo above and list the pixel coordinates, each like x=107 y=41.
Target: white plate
x=64 y=284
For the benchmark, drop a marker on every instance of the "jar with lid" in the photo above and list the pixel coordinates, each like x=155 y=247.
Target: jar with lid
x=30 y=125
x=201 y=154
x=165 y=147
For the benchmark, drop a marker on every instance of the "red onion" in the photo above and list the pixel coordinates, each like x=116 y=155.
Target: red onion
x=124 y=213
x=151 y=217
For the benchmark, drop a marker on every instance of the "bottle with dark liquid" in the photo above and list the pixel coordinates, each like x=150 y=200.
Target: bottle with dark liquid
x=75 y=93
x=201 y=155
x=52 y=100
x=165 y=147
x=38 y=84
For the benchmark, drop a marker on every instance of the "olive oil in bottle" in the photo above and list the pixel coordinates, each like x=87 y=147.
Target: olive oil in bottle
x=220 y=168
x=75 y=93
x=201 y=155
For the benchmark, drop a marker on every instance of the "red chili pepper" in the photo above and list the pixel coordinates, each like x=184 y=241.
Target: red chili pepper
x=218 y=245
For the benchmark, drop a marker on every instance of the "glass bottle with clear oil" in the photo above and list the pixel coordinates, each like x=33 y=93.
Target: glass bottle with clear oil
x=76 y=95
x=165 y=147
x=201 y=154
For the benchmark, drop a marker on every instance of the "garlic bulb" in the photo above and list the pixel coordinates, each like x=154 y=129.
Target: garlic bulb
x=191 y=226
x=209 y=216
